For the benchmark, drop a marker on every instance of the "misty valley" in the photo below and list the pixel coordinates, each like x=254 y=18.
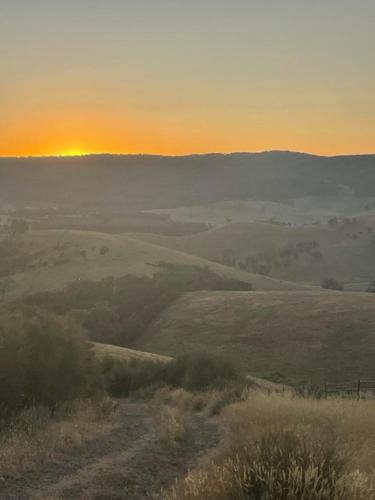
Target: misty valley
x=187 y=328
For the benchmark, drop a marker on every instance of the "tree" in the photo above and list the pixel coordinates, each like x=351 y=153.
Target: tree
x=18 y=226
x=333 y=222
x=332 y=284
x=228 y=257
x=317 y=255
x=371 y=286
x=44 y=359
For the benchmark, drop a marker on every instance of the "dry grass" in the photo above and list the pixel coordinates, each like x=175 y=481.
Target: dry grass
x=124 y=256
x=346 y=248
x=171 y=423
x=208 y=403
x=127 y=355
x=312 y=335
x=350 y=422
x=35 y=437
x=175 y=406
x=289 y=448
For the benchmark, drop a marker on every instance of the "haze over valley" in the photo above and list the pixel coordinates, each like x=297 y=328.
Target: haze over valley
x=187 y=250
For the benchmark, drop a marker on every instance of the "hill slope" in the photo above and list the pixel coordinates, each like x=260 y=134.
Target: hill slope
x=297 y=335
x=345 y=250
x=50 y=260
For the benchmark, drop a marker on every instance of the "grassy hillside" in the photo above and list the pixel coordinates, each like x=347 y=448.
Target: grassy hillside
x=345 y=250
x=292 y=335
x=124 y=354
x=50 y=260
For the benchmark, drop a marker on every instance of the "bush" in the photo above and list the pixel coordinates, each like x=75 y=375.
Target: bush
x=200 y=371
x=44 y=359
x=194 y=372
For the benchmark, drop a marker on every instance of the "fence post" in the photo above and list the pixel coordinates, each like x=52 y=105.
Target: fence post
x=325 y=390
x=359 y=389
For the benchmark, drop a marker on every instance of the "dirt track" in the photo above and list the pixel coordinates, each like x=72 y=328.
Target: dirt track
x=129 y=463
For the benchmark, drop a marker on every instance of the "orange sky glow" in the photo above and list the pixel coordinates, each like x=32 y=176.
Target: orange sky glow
x=171 y=78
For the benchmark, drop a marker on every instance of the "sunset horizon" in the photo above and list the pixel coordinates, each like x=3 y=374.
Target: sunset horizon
x=187 y=249
x=78 y=154
x=177 y=78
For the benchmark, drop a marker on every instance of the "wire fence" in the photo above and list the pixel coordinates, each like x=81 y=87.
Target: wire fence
x=357 y=389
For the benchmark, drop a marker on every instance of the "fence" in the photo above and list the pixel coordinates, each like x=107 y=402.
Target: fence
x=358 y=389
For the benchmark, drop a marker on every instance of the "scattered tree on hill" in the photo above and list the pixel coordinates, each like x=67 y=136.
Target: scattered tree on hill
x=317 y=255
x=228 y=257
x=333 y=222
x=18 y=226
x=371 y=286
x=332 y=284
x=104 y=250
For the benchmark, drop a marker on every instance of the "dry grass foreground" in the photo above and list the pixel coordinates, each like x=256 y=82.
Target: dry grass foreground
x=106 y=449
x=289 y=448
x=33 y=437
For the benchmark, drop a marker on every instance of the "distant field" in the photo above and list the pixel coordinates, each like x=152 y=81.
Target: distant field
x=124 y=354
x=291 y=336
x=56 y=258
x=344 y=250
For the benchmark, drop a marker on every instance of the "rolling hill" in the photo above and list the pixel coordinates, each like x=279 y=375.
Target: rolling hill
x=312 y=335
x=310 y=253
x=50 y=260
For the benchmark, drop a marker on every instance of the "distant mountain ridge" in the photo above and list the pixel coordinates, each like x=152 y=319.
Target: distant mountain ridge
x=151 y=181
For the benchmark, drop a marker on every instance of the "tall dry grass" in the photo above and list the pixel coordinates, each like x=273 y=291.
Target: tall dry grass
x=283 y=447
x=35 y=436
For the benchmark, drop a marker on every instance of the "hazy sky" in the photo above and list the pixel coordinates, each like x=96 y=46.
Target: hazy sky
x=181 y=76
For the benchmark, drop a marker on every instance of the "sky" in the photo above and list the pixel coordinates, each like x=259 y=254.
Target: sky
x=186 y=76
